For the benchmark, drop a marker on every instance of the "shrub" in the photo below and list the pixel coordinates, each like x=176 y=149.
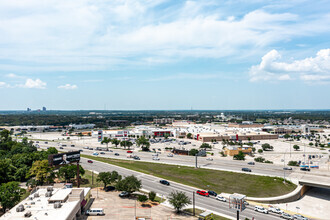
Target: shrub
x=260 y=151
x=259 y=159
x=152 y=196
x=293 y=163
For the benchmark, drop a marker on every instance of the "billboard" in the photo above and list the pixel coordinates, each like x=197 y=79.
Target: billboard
x=64 y=158
x=100 y=135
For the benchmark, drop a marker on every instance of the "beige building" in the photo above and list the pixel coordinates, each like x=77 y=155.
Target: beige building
x=234 y=150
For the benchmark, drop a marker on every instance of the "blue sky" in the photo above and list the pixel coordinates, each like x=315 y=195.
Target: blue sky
x=158 y=54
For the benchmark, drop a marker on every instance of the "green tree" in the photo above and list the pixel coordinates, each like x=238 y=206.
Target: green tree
x=142 y=198
x=152 y=196
x=178 y=200
x=253 y=149
x=260 y=151
x=41 y=171
x=143 y=142
x=259 y=159
x=108 y=177
x=296 y=147
x=239 y=156
x=115 y=141
x=69 y=172
x=205 y=146
x=10 y=194
x=7 y=170
x=189 y=135
x=129 y=184
x=310 y=144
x=286 y=136
x=52 y=150
x=106 y=141
x=267 y=147
x=126 y=144
x=193 y=152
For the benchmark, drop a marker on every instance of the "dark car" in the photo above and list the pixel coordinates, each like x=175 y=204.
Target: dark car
x=165 y=182
x=212 y=193
x=305 y=169
x=246 y=169
x=124 y=194
x=102 y=153
x=109 y=188
x=136 y=158
x=287 y=168
x=61 y=148
x=116 y=154
x=251 y=163
x=89 y=161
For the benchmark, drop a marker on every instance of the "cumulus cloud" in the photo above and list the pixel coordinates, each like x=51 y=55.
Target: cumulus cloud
x=68 y=87
x=3 y=85
x=33 y=84
x=312 y=69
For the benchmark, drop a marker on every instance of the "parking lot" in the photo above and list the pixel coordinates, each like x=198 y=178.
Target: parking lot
x=127 y=208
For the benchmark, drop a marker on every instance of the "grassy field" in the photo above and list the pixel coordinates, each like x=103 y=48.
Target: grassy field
x=199 y=211
x=216 y=180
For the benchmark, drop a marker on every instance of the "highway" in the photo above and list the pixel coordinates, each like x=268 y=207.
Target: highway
x=151 y=183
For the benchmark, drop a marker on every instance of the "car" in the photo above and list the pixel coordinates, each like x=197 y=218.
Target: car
x=170 y=155
x=212 y=193
x=110 y=151
x=286 y=216
x=246 y=203
x=109 y=188
x=46 y=142
x=202 y=193
x=80 y=150
x=275 y=210
x=260 y=209
x=246 y=170
x=63 y=145
x=95 y=154
x=89 y=161
x=116 y=154
x=86 y=147
x=164 y=182
x=305 y=169
x=287 y=168
x=251 y=163
x=102 y=152
x=61 y=148
x=124 y=194
x=210 y=159
x=90 y=148
x=155 y=155
x=159 y=149
x=299 y=217
x=136 y=158
x=72 y=145
x=37 y=141
x=155 y=158
x=220 y=198
x=129 y=152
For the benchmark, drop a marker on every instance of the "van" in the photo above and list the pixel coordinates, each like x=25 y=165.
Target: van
x=95 y=211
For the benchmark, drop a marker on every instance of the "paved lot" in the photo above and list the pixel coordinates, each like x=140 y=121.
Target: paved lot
x=118 y=208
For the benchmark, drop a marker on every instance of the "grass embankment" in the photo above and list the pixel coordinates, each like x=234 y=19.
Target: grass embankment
x=216 y=180
x=199 y=211
x=89 y=180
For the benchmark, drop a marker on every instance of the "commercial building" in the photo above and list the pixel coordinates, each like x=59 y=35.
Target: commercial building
x=163 y=120
x=51 y=203
x=234 y=150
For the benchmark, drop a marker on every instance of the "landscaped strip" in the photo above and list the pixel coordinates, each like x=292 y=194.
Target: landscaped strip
x=216 y=180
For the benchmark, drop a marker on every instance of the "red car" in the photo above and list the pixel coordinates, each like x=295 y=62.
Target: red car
x=202 y=193
x=129 y=151
x=89 y=161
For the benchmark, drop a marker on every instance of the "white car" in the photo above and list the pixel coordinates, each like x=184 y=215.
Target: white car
x=210 y=159
x=260 y=209
x=170 y=155
x=275 y=210
x=220 y=198
x=286 y=216
x=155 y=158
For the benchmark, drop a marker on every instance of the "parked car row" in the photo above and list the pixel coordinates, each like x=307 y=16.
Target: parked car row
x=280 y=212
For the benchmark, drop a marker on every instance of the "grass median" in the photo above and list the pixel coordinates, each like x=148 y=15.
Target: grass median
x=216 y=180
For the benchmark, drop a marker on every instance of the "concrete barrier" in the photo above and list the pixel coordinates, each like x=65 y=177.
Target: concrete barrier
x=290 y=197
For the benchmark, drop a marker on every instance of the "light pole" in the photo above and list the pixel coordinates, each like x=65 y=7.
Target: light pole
x=194 y=203
x=284 y=166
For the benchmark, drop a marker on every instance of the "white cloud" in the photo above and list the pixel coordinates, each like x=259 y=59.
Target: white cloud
x=184 y=76
x=309 y=69
x=34 y=84
x=3 y=85
x=68 y=87
x=96 y=35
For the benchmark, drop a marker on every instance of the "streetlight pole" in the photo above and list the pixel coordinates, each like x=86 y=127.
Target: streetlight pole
x=194 y=203
x=284 y=166
x=196 y=160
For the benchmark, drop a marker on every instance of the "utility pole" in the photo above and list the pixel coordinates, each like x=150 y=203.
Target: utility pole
x=78 y=179
x=237 y=214
x=194 y=203
x=196 y=160
x=92 y=178
x=284 y=166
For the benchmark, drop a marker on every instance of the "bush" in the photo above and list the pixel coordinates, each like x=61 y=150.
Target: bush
x=253 y=149
x=259 y=159
x=268 y=161
x=193 y=152
x=293 y=163
x=223 y=154
x=239 y=156
x=267 y=147
x=152 y=196
x=142 y=198
x=260 y=151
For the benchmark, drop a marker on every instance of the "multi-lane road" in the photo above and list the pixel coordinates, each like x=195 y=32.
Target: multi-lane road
x=151 y=183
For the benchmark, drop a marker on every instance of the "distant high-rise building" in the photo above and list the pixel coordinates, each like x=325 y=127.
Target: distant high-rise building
x=28 y=109
x=44 y=109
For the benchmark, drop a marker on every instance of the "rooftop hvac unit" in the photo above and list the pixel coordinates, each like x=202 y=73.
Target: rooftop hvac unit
x=20 y=208
x=57 y=205
x=32 y=203
x=49 y=189
x=48 y=194
x=36 y=195
x=27 y=214
x=30 y=198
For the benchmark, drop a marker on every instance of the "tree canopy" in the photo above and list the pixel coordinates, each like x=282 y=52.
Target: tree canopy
x=178 y=200
x=129 y=184
x=10 y=194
